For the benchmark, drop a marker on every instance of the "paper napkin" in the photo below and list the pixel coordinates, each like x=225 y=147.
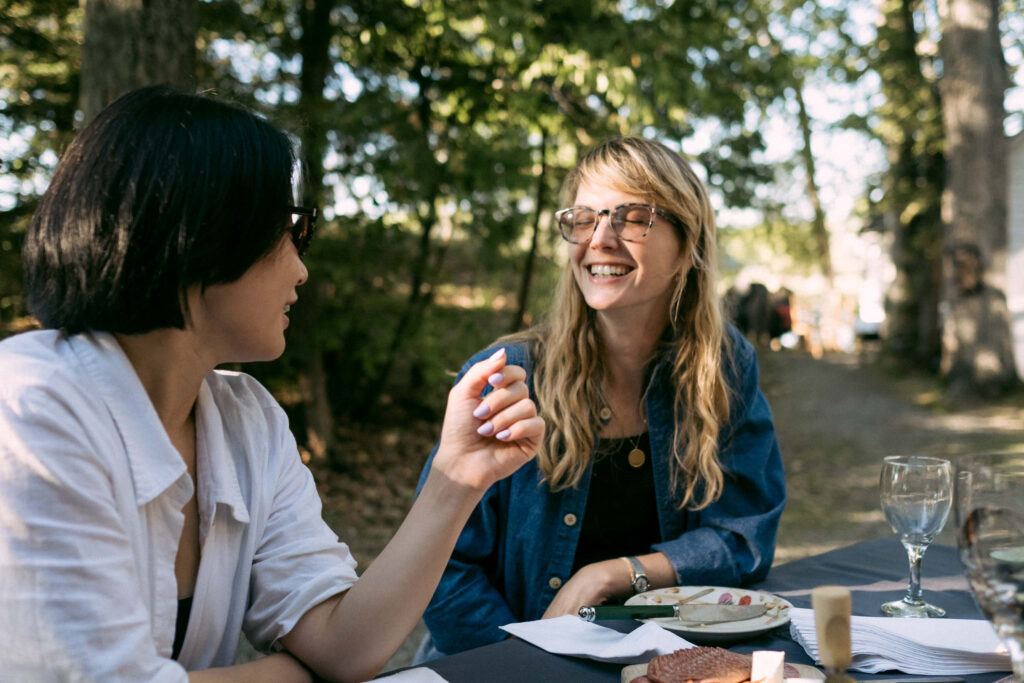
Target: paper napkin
x=570 y=635
x=418 y=675
x=914 y=646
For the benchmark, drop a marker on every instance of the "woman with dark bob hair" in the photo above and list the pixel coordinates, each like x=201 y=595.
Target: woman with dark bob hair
x=153 y=508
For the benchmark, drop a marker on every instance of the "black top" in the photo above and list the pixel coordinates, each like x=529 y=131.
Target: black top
x=621 y=517
x=181 y=625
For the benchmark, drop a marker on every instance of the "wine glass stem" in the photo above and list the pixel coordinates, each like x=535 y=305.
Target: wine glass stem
x=1014 y=644
x=915 y=551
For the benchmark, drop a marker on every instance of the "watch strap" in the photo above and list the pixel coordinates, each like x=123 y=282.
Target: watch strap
x=637 y=575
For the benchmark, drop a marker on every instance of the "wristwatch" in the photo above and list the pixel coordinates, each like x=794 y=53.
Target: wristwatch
x=637 y=575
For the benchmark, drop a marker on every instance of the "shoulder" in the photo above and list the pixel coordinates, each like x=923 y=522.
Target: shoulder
x=240 y=389
x=243 y=416
x=246 y=406
x=736 y=346
x=35 y=365
x=739 y=358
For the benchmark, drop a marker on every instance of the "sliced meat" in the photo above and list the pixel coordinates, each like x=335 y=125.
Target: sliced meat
x=704 y=664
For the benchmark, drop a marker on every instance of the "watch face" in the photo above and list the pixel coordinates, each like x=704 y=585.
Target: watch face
x=641 y=584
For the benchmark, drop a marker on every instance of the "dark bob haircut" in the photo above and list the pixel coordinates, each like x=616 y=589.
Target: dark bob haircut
x=162 y=191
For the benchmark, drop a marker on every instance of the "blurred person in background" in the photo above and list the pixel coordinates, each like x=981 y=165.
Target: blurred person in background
x=970 y=357
x=153 y=508
x=660 y=464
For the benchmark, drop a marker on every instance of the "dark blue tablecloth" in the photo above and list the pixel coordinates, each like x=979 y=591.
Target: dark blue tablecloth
x=875 y=571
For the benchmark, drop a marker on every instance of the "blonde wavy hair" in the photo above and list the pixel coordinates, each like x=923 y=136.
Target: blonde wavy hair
x=568 y=361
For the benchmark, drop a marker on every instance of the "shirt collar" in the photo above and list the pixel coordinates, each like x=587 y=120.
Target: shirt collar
x=154 y=462
x=215 y=464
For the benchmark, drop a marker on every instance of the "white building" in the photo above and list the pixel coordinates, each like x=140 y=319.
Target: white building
x=1015 y=246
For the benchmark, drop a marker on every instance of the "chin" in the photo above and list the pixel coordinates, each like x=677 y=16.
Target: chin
x=261 y=354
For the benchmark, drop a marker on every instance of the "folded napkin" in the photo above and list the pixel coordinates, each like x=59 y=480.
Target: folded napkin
x=914 y=646
x=418 y=675
x=570 y=635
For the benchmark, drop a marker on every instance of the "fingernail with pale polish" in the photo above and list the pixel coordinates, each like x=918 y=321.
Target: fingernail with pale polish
x=481 y=410
x=503 y=435
x=495 y=379
x=485 y=429
x=497 y=354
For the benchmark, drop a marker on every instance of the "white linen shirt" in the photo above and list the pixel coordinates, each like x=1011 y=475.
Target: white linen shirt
x=91 y=498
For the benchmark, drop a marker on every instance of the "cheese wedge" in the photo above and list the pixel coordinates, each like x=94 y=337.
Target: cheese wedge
x=767 y=666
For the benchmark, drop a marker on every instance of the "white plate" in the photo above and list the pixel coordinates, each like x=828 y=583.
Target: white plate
x=777 y=613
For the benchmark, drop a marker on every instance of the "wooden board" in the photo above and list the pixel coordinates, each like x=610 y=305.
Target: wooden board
x=633 y=670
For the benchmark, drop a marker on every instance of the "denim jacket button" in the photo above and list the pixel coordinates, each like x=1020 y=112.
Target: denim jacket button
x=555 y=583
x=569 y=519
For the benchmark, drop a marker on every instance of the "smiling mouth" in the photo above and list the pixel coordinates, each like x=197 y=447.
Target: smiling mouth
x=602 y=270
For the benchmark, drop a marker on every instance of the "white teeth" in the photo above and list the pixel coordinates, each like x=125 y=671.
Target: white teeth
x=599 y=270
x=287 y=307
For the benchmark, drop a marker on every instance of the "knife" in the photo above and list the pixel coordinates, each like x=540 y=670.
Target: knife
x=693 y=613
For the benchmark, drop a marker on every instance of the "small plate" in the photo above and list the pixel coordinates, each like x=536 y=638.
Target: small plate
x=776 y=615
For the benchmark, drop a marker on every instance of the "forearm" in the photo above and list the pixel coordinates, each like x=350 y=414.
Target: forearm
x=275 y=668
x=660 y=572
x=466 y=611
x=614 y=574
x=600 y=582
x=352 y=638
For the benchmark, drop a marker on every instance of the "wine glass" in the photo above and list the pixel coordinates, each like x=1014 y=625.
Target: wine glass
x=990 y=537
x=916 y=493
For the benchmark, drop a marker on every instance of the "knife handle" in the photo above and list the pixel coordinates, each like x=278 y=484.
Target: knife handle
x=626 y=612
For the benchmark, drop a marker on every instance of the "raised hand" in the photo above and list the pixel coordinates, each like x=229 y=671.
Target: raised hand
x=484 y=440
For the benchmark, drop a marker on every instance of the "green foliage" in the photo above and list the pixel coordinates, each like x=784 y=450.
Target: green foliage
x=39 y=65
x=432 y=119
x=785 y=246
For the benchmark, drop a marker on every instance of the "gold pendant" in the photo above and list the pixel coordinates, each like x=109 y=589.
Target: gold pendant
x=636 y=458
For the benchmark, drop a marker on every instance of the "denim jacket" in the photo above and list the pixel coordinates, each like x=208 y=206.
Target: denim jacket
x=517 y=548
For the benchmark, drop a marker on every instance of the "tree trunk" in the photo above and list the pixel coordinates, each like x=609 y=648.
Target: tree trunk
x=314 y=17
x=421 y=293
x=133 y=43
x=524 y=284
x=821 y=236
x=976 y=337
x=913 y=188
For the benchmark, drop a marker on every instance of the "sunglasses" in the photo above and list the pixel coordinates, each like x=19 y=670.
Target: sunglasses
x=303 y=222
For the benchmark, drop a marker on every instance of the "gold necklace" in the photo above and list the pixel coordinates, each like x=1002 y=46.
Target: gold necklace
x=636 y=457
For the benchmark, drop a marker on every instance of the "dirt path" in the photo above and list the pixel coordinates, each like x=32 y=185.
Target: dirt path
x=836 y=418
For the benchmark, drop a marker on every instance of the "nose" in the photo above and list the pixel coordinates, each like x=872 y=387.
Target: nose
x=303 y=273
x=604 y=236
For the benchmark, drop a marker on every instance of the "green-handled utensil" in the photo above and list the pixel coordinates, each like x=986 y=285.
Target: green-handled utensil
x=697 y=614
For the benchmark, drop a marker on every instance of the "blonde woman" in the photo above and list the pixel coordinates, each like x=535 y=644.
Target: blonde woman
x=660 y=464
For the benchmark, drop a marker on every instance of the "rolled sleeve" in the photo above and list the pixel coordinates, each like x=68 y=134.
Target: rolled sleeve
x=300 y=562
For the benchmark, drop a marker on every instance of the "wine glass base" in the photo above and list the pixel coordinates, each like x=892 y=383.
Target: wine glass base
x=913 y=610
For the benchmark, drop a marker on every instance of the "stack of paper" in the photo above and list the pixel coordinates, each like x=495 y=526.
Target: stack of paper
x=914 y=646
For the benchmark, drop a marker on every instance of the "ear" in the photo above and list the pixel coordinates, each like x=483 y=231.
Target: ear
x=189 y=300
